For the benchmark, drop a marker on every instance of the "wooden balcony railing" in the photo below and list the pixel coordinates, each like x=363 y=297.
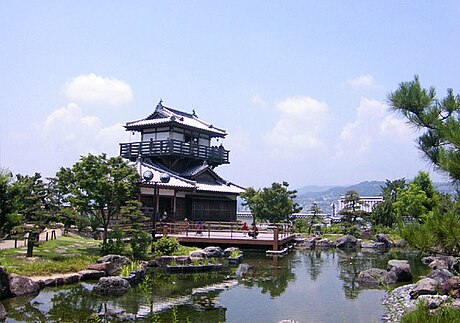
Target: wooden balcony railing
x=213 y=155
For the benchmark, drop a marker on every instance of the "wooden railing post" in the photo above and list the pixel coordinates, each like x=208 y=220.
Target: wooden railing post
x=275 y=238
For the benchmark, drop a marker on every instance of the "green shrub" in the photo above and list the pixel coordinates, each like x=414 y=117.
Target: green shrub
x=300 y=226
x=422 y=313
x=140 y=242
x=166 y=246
x=114 y=244
x=334 y=229
x=353 y=230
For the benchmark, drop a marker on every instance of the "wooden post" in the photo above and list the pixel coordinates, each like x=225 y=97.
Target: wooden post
x=53 y=234
x=231 y=230
x=165 y=230
x=46 y=238
x=15 y=243
x=275 y=238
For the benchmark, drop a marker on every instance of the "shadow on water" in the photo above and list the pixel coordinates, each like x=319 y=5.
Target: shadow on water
x=307 y=286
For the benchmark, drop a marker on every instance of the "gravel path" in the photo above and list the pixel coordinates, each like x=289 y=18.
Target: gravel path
x=9 y=243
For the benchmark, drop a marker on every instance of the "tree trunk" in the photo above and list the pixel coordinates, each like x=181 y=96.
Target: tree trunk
x=31 y=243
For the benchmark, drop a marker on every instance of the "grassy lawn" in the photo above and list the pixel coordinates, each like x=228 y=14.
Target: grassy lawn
x=63 y=255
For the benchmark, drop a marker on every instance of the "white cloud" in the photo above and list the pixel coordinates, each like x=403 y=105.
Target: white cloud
x=396 y=128
x=363 y=81
x=375 y=131
x=258 y=100
x=97 y=89
x=300 y=124
x=68 y=134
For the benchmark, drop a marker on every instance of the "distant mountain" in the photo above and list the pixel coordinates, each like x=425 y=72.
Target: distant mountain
x=325 y=196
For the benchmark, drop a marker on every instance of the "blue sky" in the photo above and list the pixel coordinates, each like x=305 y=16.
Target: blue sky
x=300 y=86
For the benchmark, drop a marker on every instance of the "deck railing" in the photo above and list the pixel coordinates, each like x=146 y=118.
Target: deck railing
x=213 y=155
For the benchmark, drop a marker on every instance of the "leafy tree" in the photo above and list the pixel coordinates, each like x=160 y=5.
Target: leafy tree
x=99 y=186
x=275 y=203
x=352 y=208
x=417 y=201
x=6 y=207
x=384 y=213
x=314 y=216
x=438 y=119
x=411 y=203
x=31 y=200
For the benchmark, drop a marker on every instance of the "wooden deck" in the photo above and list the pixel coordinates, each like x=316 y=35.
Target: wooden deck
x=227 y=234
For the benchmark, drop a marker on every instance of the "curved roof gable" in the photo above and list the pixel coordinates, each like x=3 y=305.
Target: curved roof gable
x=164 y=115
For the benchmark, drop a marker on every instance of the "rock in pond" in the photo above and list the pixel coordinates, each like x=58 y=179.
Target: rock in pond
x=372 y=277
x=114 y=285
x=115 y=263
x=20 y=285
x=347 y=241
x=399 y=270
x=214 y=252
x=381 y=237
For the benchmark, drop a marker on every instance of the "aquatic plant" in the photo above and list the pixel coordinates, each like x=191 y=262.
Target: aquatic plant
x=127 y=269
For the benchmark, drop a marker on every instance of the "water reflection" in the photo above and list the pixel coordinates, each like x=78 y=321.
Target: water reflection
x=318 y=285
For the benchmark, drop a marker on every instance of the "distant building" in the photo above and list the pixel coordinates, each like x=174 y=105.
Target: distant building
x=367 y=203
x=178 y=144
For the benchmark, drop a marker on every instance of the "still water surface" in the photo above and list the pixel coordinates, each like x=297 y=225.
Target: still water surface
x=306 y=286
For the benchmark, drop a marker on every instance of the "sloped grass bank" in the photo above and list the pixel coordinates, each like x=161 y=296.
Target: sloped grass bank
x=63 y=255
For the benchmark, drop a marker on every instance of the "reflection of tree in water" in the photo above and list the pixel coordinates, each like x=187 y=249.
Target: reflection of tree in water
x=272 y=275
x=21 y=309
x=75 y=302
x=313 y=263
x=350 y=264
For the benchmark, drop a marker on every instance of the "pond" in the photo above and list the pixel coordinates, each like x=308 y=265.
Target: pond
x=306 y=286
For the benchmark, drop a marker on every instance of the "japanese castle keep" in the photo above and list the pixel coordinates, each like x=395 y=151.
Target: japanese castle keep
x=178 y=144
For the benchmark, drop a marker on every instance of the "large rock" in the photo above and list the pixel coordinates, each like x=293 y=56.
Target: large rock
x=214 y=252
x=372 y=277
x=347 y=241
x=373 y=245
x=451 y=287
x=425 y=286
x=399 y=270
x=99 y=267
x=384 y=239
x=198 y=254
x=308 y=243
x=115 y=263
x=114 y=285
x=4 y=283
x=164 y=261
x=440 y=275
x=91 y=274
x=438 y=264
x=3 y=312
x=20 y=285
x=324 y=243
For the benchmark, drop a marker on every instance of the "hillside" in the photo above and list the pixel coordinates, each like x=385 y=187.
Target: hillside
x=324 y=196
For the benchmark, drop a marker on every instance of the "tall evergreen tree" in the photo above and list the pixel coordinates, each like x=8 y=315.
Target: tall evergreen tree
x=437 y=119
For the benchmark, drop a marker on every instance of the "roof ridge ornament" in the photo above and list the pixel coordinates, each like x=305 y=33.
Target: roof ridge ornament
x=160 y=105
